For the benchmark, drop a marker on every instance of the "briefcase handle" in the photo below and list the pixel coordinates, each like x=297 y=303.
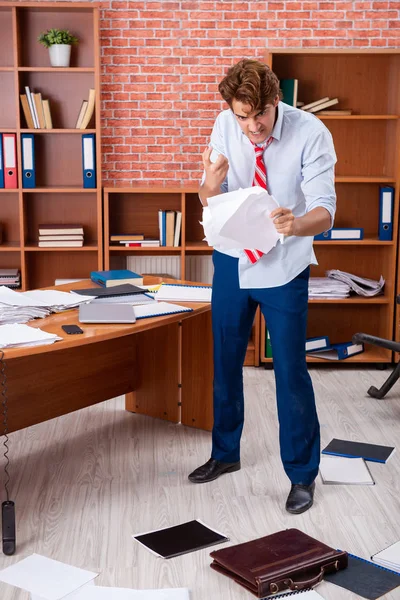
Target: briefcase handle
x=301 y=585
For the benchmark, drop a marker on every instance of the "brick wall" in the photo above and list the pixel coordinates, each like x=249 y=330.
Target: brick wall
x=162 y=61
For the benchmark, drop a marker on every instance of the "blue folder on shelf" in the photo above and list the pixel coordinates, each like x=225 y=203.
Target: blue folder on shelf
x=317 y=343
x=339 y=351
x=1 y=162
x=89 y=160
x=28 y=160
x=341 y=233
x=386 y=201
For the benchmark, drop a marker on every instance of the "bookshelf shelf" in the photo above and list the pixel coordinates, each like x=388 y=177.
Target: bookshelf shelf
x=367 y=145
x=59 y=197
x=56 y=69
x=52 y=131
x=356 y=117
x=135 y=210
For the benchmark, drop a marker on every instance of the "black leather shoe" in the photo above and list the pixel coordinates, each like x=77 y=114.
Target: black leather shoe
x=300 y=499
x=211 y=470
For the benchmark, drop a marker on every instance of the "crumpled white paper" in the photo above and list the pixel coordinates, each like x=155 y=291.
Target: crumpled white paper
x=240 y=219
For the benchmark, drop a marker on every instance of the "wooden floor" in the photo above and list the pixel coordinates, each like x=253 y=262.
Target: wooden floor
x=84 y=483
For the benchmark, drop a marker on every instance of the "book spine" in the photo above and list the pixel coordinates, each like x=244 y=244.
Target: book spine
x=98 y=281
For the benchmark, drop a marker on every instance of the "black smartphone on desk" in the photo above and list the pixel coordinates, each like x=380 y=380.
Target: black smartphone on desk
x=71 y=329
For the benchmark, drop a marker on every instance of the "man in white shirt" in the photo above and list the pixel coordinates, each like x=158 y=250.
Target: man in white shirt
x=262 y=141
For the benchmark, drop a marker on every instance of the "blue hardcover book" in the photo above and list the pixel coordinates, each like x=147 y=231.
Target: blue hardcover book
x=28 y=160
x=116 y=277
x=341 y=233
x=317 y=343
x=1 y=162
x=386 y=201
x=339 y=351
x=89 y=160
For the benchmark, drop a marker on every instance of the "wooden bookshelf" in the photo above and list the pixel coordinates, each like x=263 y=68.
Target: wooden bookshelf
x=59 y=196
x=135 y=209
x=367 y=145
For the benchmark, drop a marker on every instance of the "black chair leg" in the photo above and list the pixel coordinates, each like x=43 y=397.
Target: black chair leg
x=389 y=383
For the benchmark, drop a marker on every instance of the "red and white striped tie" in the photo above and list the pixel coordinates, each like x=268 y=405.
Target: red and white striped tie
x=260 y=179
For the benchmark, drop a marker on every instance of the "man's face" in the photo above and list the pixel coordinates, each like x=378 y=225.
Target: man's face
x=256 y=125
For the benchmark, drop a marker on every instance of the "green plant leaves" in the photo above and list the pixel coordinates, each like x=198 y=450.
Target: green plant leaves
x=57 y=36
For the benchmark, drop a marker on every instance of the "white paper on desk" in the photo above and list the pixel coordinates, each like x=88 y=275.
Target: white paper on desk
x=49 y=579
x=16 y=335
x=110 y=593
x=55 y=298
x=240 y=219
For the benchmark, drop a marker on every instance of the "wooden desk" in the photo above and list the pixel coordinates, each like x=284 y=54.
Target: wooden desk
x=163 y=365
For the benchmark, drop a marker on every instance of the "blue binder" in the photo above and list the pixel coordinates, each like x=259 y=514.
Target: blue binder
x=89 y=160
x=341 y=233
x=28 y=160
x=1 y=162
x=386 y=201
x=339 y=351
x=317 y=343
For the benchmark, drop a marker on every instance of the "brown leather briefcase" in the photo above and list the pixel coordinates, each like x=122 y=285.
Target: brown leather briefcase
x=286 y=560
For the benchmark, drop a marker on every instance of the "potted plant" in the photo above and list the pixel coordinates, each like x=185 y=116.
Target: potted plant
x=59 y=42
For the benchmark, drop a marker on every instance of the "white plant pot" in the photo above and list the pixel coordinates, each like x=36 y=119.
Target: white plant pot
x=60 y=55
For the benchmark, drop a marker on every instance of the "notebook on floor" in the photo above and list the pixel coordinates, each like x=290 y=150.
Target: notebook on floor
x=365 y=578
x=180 y=539
x=389 y=557
x=373 y=452
x=342 y=470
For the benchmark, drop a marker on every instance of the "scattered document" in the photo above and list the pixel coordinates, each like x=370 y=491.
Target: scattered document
x=180 y=539
x=389 y=557
x=17 y=335
x=360 y=285
x=49 y=579
x=132 y=299
x=240 y=219
x=342 y=470
x=184 y=293
x=111 y=593
x=159 y=309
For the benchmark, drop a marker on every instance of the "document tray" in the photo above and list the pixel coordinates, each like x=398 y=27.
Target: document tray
x=286 y=560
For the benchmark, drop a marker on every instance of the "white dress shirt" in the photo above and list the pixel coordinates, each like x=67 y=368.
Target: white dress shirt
x=300 y=175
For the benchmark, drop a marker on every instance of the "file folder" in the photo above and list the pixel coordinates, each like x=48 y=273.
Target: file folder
x=28 y=160
x=1 y=162
x=386 y=200
x=341 y=233
x=89 y=160
x=317 y=343
x=10 y=160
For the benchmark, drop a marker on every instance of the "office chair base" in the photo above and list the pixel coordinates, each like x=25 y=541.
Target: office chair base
x=389 y=383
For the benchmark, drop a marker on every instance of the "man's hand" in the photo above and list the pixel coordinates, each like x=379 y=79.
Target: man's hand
x=215 y=171
x=284 y=220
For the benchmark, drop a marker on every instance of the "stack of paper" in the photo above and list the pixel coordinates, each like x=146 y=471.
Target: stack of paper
x=389 y=557
x=324 y=287
x=361 y=285
x=16 y=335
x=240 y=219
x=20 y=307
x=341 y=470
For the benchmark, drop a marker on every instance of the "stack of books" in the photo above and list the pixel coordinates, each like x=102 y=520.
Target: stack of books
x=36 y=110
x=60 y=236
x=131 y=240
x=86 y=111
x=169 y=223
x=11 y=278
x=319 y=106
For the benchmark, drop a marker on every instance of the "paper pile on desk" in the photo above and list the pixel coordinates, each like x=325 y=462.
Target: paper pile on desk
x=241 y=220
x=20 y=307
x=16 y=335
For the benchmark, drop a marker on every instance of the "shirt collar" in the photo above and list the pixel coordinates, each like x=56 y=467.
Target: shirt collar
x=277 y=130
